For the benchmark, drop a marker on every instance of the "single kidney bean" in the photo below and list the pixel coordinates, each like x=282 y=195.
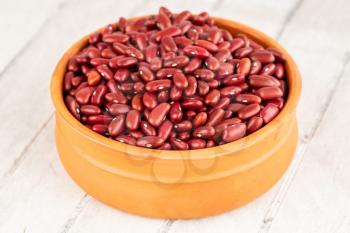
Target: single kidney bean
x=176 y=113
x=122 y=75
x=204 y=132
x=116 y=126
x=234 y=132
x=269 y=112
x=255 y=67
x=279 y=71
x=90 y=110
x=105 y=71
x=200 y=119
x=211 y=47
x=196 y=51
x=73 y=106
x=263 y=81
x=100 y=128
x=197 y=143
x=163 y=96
x=249 y=111
x=149 y=100
x=83 y=95
x=191 y=89
x=279 y=102
x=167 y=73
x=212 y=97
x=176 y=62
x=175 y=93
x=267 y=93
x=117 y=109
x=98 y=95
x=147 y=128
x=169 y=44
x=243 y=52
x=212 y=63
x=254 y=124
x=137 y=103
x=115 y=37
x=178 y=144
x=223 y=55
x=170 y=31
x=244 y=66
x=117 y=97
x=203 y=87
x=99 y=119
x=216 y=117
x=133 y=52
x=150 y=141
x=225 y=70
x=158 y=114
x=230 y=91
x=223 y=103
x=126 y=139
x=235 y=44
x=234 y=79
x=158 y=85
x=248 y=98
x=165 y=129
x=165 y=146
x=183 y=126
x=138 y=87
x=146 y=74
x=268 y=69
x=263 y=56
x=133 y=119
x=193 y=104
x=194 y=64
x=180 y=80
x=204 y=74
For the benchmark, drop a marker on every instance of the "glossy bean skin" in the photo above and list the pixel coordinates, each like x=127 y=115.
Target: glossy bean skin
x=174 y=81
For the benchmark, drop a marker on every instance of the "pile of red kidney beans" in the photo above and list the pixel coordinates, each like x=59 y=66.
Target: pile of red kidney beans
x=174 y=82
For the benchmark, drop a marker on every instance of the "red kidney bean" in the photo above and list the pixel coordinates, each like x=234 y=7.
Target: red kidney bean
x=269 y=112
x=254 y=124
x=84 y=94
x=216 y=117
x=115 y=37
x=279 y=71
x=196 y=51
x=268 y=69
x=263 y=56
x=149 y=100
x=197 y=143
x=191 y=89
x=169 y=79
x=212 y=97
x=137 y=103
x=244 y=66
x=98 y=95
x=255 y=67
x=248 y=99
x=192 y=104
x=90 y=110
x=101 y=129
x=234 y=132
x=167 y=73
x=249 y=111
x=147 y=128
x=176 y=113
x=165 y=129
x=183 y=126
x=178 y=144
x=158 y=85
x=204 y=74
x=105 y=71
x=263 y=81
x=158 y=114
x=116 y=126
x=211 y=47
x=146 y=74
x=133 y=119
x=230 y=91
x=126 y=139
x=180 y=80
x=150 y=141
x=117 y=109
x=267 y=93
x=204 y=132
x=212 y=63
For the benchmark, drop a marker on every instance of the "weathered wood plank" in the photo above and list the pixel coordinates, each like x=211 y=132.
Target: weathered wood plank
x=20 y=20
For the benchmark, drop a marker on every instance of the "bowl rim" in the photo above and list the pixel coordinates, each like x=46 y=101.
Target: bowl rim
x=294 y=89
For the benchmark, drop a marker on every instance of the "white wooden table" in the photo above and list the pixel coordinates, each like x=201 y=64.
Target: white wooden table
x=36 y=194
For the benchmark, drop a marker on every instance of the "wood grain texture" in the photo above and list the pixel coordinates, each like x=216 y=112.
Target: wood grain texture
x=14 y=36
x=36 y=195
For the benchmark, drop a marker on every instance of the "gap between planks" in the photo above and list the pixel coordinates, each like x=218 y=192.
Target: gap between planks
x=277 y=201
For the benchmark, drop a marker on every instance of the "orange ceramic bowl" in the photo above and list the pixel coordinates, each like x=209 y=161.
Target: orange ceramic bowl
x=178 y=184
